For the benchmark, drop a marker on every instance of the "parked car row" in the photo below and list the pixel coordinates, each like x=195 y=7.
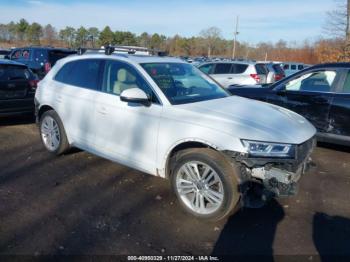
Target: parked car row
x=243 y=73
x=39 y=59
x=235 y=73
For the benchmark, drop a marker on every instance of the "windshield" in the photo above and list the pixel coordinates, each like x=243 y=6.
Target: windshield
x=183 y=83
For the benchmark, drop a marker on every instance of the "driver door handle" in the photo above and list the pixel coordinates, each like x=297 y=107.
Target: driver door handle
x=319 y=100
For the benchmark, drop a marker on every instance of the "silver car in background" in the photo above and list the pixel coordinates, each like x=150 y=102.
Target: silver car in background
x=274 y=71
x=235 y=73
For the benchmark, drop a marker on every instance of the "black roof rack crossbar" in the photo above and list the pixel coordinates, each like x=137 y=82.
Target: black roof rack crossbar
x=108 y=50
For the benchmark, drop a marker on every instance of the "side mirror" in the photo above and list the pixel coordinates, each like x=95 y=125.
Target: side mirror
x=135 y=95
x=281 y=90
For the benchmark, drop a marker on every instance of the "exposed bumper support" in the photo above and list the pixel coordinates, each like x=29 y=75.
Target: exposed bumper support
x=272 y=176
x=278 y=181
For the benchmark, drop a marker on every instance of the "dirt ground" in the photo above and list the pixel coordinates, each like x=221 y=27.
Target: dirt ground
x=82 y=204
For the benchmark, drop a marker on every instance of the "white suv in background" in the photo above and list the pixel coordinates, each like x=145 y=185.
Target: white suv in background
x=165 y=117
x=235 y=73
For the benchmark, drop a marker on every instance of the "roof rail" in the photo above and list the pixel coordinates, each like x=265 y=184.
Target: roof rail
x=110 y=49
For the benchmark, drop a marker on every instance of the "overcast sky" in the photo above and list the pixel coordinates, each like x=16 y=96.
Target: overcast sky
x=260 y=20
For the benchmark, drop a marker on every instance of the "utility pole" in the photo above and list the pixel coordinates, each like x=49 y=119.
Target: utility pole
x=347 y=22
x=235 y=33
x=247 y=54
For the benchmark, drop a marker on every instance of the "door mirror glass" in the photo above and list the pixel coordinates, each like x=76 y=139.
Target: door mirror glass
x=135 y=95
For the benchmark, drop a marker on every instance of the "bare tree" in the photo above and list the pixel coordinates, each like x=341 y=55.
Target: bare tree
x=49 y=34
x=211 y=37
x=338 y=20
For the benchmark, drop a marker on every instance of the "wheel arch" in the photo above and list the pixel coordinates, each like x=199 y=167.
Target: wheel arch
x=182 y=145
x=44 y=108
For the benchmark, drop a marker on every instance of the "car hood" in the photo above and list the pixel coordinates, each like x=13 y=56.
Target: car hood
x=250 y=119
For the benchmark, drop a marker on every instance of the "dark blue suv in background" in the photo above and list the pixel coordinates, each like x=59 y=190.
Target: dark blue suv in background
x=39 y=59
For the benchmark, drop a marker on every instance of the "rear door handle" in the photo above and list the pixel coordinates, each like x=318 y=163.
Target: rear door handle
x=59 y=99
x=229 y=78
x=102 y=110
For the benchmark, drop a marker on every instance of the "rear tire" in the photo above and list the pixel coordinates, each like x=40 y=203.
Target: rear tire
x=205 y=183
x=52 y=133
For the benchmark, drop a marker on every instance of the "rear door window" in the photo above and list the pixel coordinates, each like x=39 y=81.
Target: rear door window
x=293 y=67
x=25 y=54
x=12 y=72
x=82 y=73
x=239 y=68
x=222 y=69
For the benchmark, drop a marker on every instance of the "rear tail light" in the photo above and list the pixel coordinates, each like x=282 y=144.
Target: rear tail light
x=278 y=77
x=256 y=77
x=33 y=83
x=47 y=67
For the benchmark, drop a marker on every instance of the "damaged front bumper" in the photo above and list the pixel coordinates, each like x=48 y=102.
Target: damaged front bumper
x=277 y=181
x=275 y=177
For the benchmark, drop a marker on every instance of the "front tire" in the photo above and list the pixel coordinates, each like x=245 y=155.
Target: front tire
x=52 y=133
x=205 y=183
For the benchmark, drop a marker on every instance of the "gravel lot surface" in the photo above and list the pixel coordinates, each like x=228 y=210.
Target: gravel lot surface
x=82 y=204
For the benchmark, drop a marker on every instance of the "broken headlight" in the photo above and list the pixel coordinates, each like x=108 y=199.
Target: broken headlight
x=265 y=149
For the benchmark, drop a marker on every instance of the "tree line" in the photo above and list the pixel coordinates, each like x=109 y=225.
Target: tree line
x=209 y=42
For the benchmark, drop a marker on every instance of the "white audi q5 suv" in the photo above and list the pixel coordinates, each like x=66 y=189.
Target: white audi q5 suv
x=165 y=117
